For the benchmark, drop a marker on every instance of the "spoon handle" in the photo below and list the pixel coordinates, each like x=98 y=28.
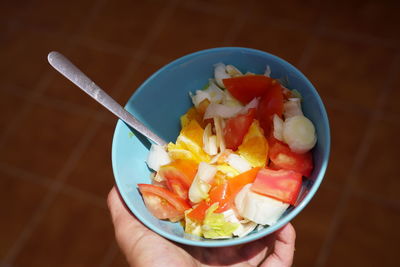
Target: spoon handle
x=75 y=75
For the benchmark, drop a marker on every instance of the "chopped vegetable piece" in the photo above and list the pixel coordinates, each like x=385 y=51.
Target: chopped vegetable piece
x=220 y=194
x=233 y=71
x=222 y=111
x=236 y=128
x=283 y=185
x=192 y=226
x=199 y=211
x=259 y=208
x=183 y=170
x=278 y=127
x=227 y=170
x=215 y=226
x=238 y=162
x=157 y=157
x=219 y=133
x=245 y=88
x=179 y=176
x=271 y=103
x=202 y=107
x=201 y=183
x=162 y=203
x=292 y=108
x=220 y=74
x=238 y=182
x=282 y=157
x=299 y=134
x=210 y=141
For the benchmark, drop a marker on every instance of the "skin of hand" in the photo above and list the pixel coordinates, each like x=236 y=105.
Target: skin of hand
x=142 y=247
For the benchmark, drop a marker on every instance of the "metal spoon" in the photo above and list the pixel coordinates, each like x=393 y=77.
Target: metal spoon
x=72 y=73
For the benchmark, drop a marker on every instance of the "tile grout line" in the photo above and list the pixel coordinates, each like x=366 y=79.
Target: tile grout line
x=360 y=156
x=52 y=193
x=38 y=90
x=377 y=199
x=47 y=77
x=142 y=53
x=315 y=32
x=49 y=184
x=23 y=111
x=26 y=176
x=53 y=102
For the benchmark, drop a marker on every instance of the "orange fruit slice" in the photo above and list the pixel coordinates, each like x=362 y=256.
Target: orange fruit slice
x=191 y=138
x=254 y=147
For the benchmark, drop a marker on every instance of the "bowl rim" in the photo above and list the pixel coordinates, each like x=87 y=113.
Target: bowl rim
x=261 y=233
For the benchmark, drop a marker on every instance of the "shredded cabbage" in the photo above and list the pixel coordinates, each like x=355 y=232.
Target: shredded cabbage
x=191 y=226
x=215 y=226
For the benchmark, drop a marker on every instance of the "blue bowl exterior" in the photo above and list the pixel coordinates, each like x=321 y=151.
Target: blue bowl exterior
x=163 y=98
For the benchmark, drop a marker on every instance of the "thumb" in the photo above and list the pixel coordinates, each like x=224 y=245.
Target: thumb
x=128 y=230
x=283 y=248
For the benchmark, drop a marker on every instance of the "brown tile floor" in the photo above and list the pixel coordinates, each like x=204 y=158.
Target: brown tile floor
x=55 y=143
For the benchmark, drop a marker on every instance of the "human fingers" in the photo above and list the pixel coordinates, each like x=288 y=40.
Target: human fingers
x=283 y=248
x=128 y=230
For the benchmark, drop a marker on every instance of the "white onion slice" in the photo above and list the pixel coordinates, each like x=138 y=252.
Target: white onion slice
x=206 y=172
x=233 y=71
x=238 y=163
x=299 y=134
x=252 y=104
x=214 y=110
x=201 y=183
x=213 y=93
x=220 y=134
x=278 y=127
x=292 y=108
x=209 y=141
x=220 y=74
x=259 y=209
x=157 y=157
x=230 y=101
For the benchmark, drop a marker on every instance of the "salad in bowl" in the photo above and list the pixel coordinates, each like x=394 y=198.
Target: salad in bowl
x=240 y=158
x=248 y=144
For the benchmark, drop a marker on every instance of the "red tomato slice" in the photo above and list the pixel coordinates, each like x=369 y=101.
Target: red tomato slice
x=282 y=157
x=219 y=193
x=245 y=88
x=198 y=213
x=236 y=183
x=271 y=103
x=283 y=185
x=160 y=208
x=178 y=188
x=162 y=203
x=179 y=175
x=222 y=195
x=236 y=128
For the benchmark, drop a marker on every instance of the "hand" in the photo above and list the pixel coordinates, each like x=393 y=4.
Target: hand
x=142 y=247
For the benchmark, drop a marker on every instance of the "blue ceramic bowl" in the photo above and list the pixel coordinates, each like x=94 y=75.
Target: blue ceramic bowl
x=164 y=97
